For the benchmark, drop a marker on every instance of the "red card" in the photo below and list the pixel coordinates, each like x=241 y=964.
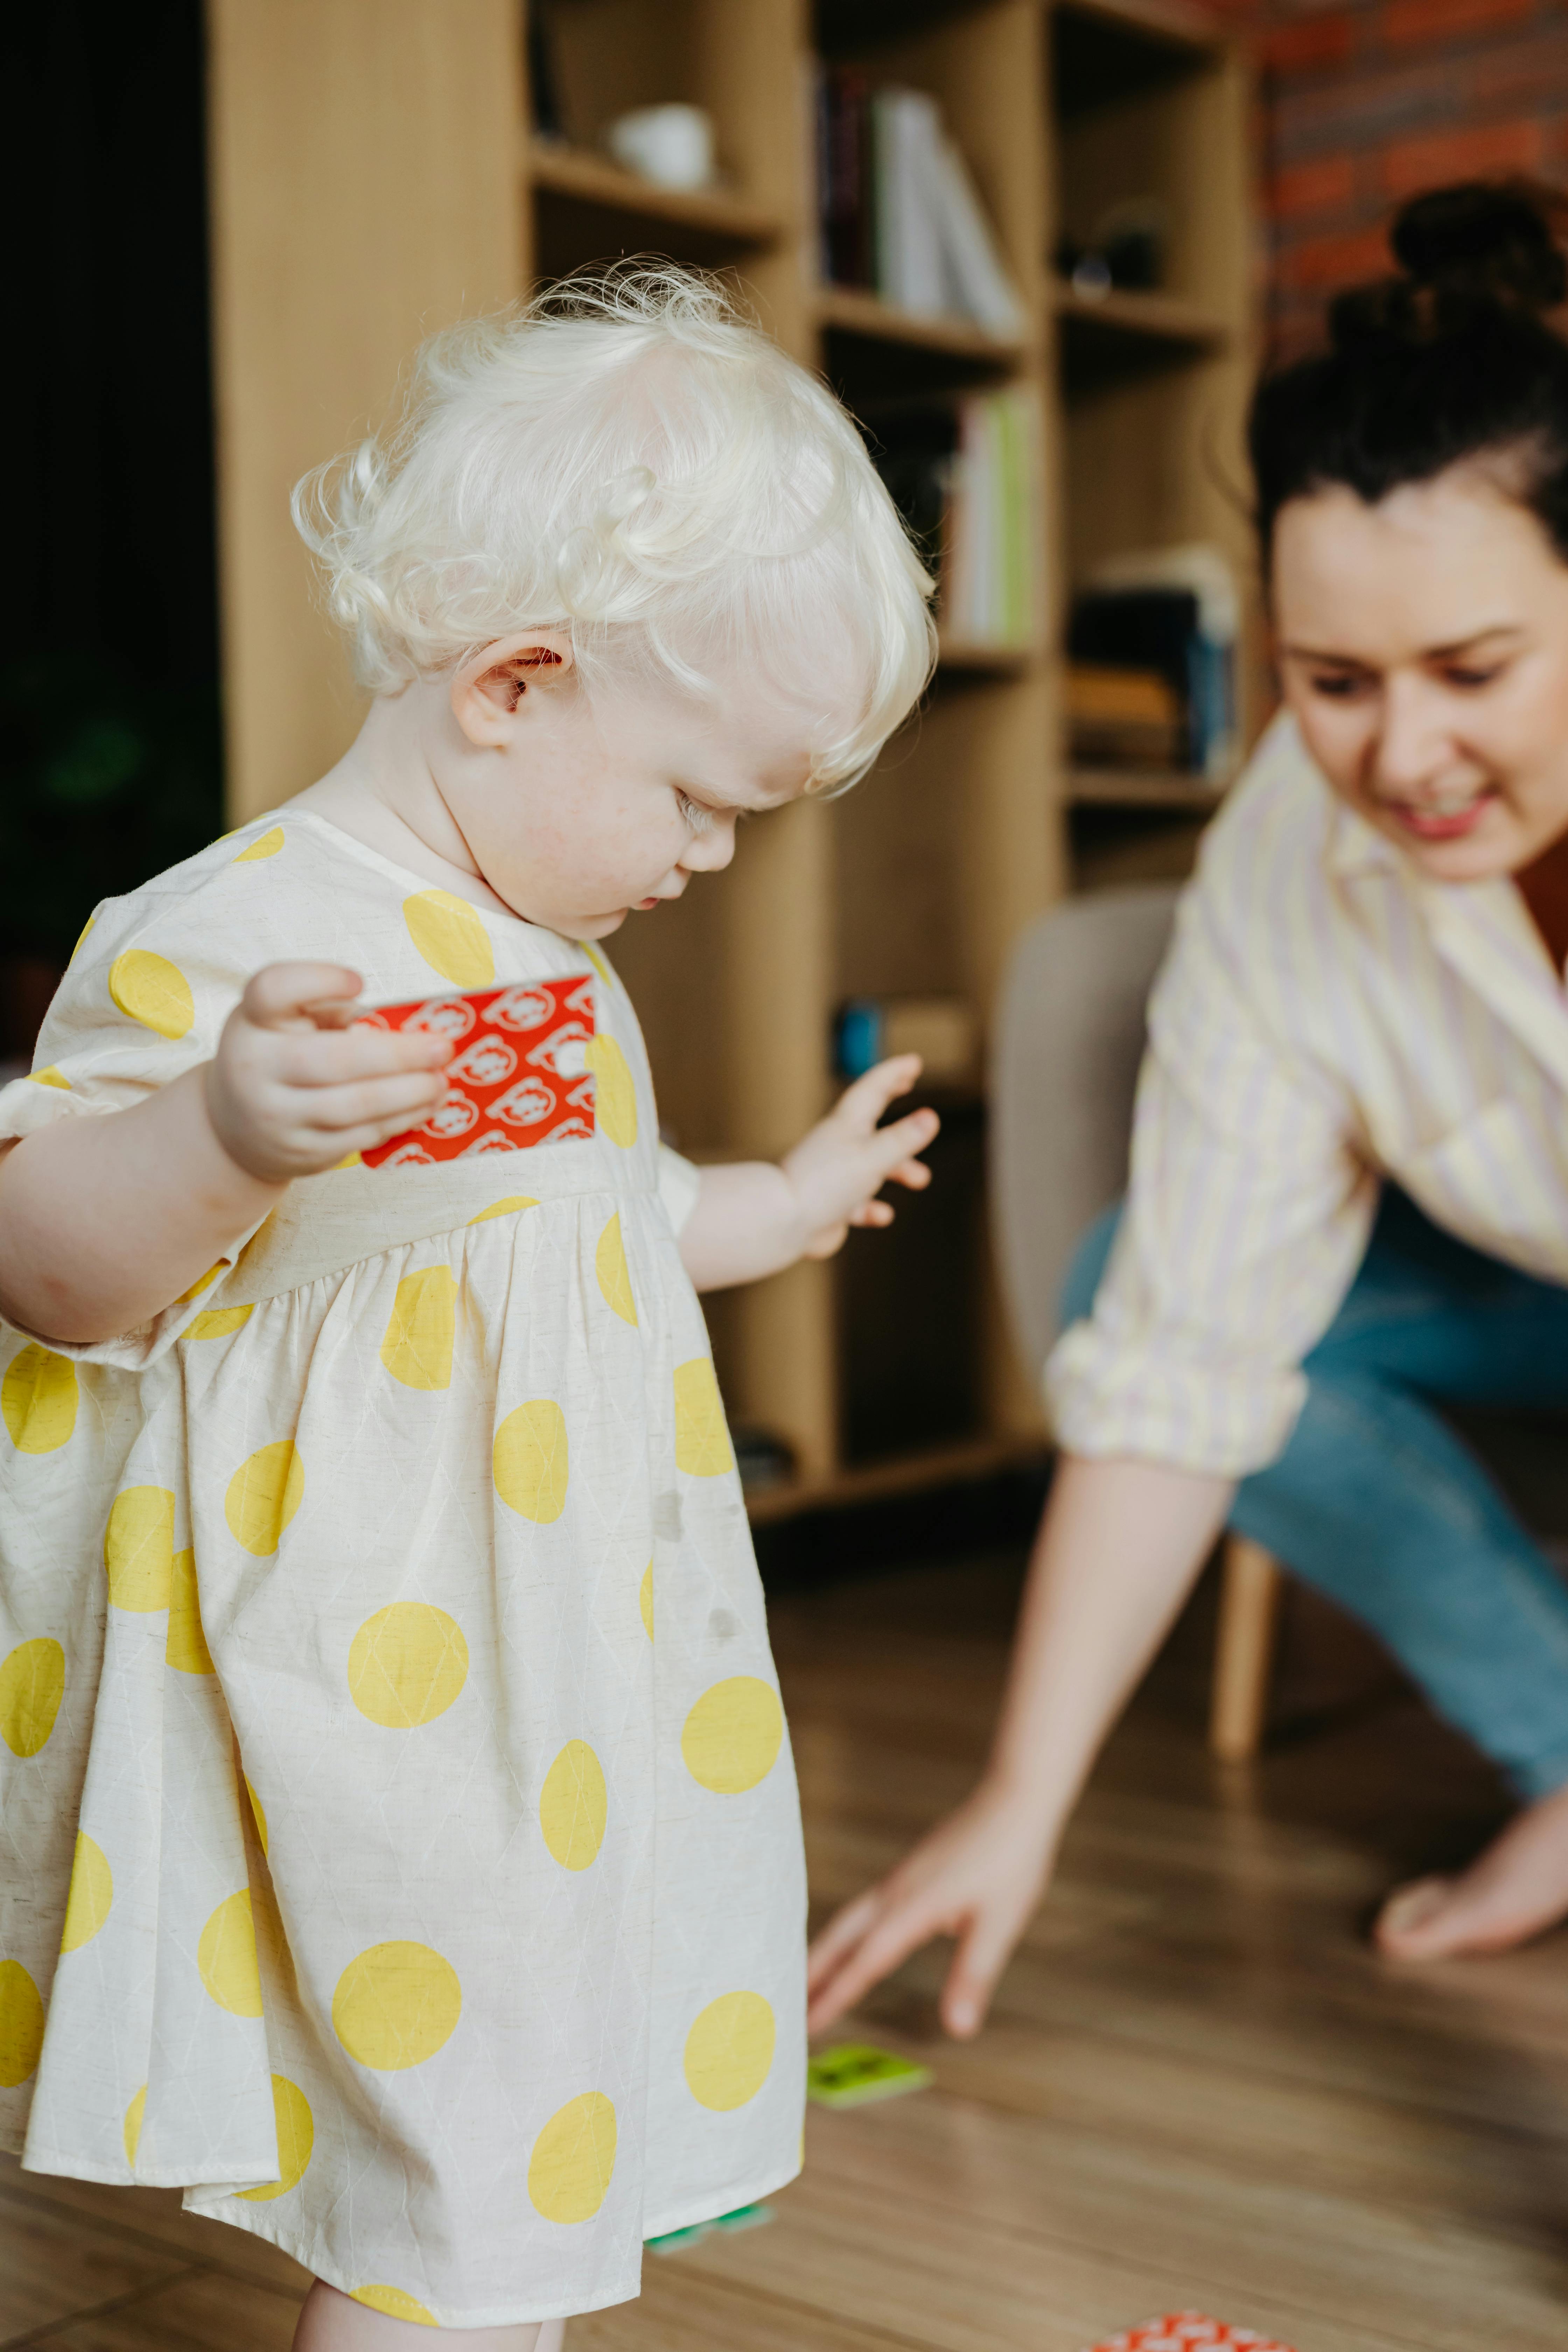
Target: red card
x=1189 y=2331
x=516 y=1079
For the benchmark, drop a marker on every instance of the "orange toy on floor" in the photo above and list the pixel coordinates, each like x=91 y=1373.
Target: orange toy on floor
x=1189 y=2331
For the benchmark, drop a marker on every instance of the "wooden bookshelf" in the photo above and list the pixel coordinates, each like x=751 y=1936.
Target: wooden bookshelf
x=1136 y=788
x=374 y=180
x=848 y=311
x=576 y=176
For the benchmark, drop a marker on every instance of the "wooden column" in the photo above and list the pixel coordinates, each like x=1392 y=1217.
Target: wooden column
x=365 y=167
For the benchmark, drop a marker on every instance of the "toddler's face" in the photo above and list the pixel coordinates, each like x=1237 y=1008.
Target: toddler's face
x=583 y=808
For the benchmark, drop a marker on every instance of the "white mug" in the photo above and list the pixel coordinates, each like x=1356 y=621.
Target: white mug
x=670 y=144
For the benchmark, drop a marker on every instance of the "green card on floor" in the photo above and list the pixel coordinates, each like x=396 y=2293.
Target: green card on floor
x=854 y=2072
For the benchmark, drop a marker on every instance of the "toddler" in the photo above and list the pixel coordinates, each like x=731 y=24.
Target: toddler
x=398 y=1843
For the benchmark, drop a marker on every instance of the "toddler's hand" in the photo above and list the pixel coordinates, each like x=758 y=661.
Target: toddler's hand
x=292 y=1089
x=836 y=1171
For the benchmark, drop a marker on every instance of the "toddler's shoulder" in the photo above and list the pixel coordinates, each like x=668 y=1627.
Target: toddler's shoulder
x=254 y=895
x=157 y=970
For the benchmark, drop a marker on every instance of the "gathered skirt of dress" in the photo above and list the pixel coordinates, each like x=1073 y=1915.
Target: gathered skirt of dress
x=417 y=1884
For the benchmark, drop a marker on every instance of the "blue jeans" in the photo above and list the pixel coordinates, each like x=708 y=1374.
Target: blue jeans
x=1380 y=1505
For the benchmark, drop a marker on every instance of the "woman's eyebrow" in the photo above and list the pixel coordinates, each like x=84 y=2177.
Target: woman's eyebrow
x=1446 y=652
x=1476 y=638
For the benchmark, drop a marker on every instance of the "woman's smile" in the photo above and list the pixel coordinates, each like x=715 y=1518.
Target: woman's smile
x=1441 y=816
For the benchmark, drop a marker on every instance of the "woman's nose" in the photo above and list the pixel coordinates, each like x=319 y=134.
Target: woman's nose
x=1412 y=744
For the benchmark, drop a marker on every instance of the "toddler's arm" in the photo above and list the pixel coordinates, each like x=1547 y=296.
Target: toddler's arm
x=105 y=1221
x=755 y=1217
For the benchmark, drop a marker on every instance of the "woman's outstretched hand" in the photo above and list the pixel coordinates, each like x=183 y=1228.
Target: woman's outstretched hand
x=978 y=1876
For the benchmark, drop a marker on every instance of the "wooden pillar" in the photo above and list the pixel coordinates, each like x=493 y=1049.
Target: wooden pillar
x=365 y=160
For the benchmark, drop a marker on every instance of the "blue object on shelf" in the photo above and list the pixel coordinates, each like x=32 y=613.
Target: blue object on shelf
x=857 y=1037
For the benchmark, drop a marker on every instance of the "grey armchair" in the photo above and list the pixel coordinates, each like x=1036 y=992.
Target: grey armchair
x=1069 y=1039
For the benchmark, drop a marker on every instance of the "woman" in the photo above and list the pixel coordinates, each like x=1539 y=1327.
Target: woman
x=1366 y=988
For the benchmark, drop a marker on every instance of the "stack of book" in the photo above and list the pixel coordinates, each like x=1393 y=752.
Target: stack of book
x=1124 y=718
x=1165 y=619
x=898 y=212
x=966 y=475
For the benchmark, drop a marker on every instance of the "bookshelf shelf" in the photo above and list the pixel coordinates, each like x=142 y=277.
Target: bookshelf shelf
x=1124 y=315
x=1138 y=788
x=579 y=176
x=848 y=311
x=917 y=882
x=898 y=1474
x=1170 y=23
x=985 y=660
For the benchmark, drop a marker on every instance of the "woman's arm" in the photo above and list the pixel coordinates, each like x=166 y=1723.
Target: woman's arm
x=105 y=1221
x=755 y=1217
x=1118 y=1549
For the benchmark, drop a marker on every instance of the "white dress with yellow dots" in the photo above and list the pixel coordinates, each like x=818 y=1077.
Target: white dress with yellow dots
x=399 y=1847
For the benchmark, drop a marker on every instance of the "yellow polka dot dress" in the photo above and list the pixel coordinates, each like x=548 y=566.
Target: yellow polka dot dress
x=399 y=1840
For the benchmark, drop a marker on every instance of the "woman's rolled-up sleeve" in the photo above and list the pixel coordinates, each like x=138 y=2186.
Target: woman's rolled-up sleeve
x=1247 y=1215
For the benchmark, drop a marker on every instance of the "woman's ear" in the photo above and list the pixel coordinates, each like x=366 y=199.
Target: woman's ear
x=491 y=689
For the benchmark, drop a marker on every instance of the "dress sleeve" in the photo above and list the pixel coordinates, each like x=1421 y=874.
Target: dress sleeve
x=144 y=1000
x=679 y=1182
x=1247 y=1213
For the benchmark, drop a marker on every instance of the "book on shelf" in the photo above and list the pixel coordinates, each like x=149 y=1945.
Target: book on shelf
x=1124 y=718
x=967 y=477
x=898 y=212
x=1174 y=613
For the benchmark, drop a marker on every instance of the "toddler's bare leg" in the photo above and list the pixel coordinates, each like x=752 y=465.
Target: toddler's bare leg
x=332 y=2321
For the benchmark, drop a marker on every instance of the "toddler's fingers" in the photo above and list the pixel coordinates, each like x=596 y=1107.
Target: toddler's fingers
x=891 y=1147
x=863 y=1104
x=912 y=1173
x=408 y=1099
x=359 y=1052
x=873 y=1213
x=281 y=995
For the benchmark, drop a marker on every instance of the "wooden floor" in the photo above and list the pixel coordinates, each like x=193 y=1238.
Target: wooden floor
x=1199 y=2090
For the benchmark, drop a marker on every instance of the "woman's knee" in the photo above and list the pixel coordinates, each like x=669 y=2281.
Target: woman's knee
x=1088 y=1264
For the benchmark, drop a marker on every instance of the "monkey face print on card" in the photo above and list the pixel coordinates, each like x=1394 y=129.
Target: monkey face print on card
x=520 y=1075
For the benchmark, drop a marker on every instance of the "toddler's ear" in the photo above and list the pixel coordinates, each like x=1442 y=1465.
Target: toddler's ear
x=491 y=689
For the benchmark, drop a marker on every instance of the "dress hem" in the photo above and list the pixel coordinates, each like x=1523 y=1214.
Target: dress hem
x=496 y=2315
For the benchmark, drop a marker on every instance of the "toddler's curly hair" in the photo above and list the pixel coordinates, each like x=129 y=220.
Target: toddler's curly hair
x=627 y=458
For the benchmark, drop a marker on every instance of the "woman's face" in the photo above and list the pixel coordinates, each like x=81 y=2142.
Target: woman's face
x=1424 y=650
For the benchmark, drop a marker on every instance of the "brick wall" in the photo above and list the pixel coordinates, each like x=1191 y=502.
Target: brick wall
x=1362 y=105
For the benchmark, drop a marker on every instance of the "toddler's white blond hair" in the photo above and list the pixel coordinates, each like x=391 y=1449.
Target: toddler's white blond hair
x=626 y=458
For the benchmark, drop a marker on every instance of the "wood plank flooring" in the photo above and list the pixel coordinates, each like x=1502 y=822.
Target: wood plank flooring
x=1200 y=2088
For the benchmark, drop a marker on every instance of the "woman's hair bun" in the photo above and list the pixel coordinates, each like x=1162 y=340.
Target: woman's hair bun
x=1484 y=239
x=1465 y=252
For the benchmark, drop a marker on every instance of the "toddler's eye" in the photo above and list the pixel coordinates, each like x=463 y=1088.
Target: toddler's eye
x=693 y=815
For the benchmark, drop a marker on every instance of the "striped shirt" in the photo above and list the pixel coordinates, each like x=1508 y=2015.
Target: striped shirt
x=1327 y=1017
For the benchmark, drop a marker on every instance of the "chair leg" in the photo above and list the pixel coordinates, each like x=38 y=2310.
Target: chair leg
x=1244 y=1651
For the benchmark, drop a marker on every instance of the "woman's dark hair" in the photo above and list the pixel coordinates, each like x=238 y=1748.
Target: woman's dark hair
x=1452 y=359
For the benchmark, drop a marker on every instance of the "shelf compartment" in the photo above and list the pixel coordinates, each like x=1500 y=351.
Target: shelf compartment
x=1154 y=318
x=960 y=654
x=1106 y=51
x=852 y=312
x=590 y=202
x=903 y=1473
x=1141 y=788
